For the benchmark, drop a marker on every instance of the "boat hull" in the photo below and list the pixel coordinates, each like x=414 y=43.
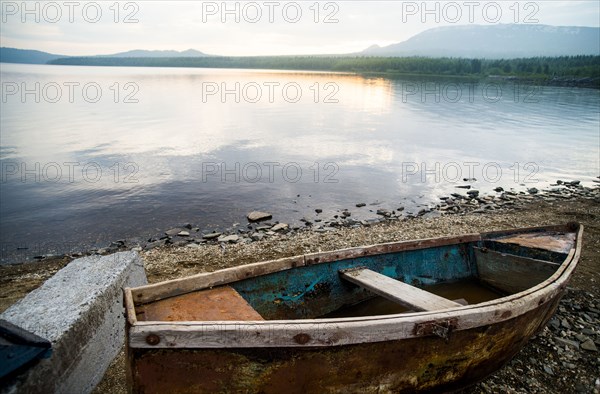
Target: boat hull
x=409 y=365
x=434 y=349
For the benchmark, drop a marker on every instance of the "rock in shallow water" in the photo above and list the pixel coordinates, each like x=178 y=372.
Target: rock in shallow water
x=256 y=216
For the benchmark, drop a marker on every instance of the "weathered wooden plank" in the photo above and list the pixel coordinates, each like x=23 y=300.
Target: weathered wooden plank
x=550 y=240
x=221 y=303
x=130 y=313
x=518 y=250
x=391 y=247
x=511 y=273
x=175 y=287
x=572 y=227
x=396 y=291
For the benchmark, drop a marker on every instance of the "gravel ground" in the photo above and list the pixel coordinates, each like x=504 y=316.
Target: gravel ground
x=564 y=357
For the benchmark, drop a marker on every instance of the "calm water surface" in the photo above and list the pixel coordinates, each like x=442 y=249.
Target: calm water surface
x=91 y=154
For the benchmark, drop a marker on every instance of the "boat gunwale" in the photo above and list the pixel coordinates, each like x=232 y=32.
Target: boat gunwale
x=463 y=318
x=159 y=290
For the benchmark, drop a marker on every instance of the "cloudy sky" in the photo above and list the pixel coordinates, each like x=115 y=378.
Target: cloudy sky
x=261 y=27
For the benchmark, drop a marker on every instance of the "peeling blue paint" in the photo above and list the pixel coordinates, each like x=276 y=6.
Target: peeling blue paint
x=315 y=290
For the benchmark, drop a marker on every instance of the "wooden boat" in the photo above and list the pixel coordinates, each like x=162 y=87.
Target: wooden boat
x=280 y=326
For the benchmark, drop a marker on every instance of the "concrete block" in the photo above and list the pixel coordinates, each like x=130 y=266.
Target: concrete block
x=80 y=311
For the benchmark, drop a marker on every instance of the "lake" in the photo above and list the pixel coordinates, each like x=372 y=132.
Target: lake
x=90 y=155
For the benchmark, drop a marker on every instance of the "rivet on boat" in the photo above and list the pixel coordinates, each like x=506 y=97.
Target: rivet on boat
x=152 y=339
x=302 y=338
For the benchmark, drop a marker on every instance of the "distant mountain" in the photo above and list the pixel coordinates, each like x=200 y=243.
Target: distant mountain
x=27 y=56
x=145 y=53
x=496 y=41
x=506 y=41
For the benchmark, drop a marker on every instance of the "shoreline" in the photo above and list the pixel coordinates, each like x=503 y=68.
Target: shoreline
x=534 y=80
x=463 y=201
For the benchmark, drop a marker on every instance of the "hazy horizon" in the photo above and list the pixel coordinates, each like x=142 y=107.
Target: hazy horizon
x=260 y=28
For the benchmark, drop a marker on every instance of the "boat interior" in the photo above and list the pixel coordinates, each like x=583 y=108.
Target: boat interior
x=424 y=278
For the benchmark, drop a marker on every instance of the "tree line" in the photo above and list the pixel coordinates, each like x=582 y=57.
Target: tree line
x=564 y=66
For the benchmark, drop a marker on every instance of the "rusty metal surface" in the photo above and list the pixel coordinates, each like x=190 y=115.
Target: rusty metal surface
x=217 y=304
x=440 y=329
x=430 y=363
x=553 y=241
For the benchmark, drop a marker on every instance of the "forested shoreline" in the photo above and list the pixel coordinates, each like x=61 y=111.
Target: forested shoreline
x=587 y=67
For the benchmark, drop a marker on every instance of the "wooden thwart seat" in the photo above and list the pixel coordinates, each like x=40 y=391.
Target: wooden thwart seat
x=396 y=291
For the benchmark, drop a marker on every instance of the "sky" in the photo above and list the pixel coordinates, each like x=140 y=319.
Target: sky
x=259 y=27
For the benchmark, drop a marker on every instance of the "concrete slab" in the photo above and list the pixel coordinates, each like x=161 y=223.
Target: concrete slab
x=80 y=311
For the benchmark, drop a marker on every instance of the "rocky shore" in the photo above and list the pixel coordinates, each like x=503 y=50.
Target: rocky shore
x=260 y=226
x=564 y=357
